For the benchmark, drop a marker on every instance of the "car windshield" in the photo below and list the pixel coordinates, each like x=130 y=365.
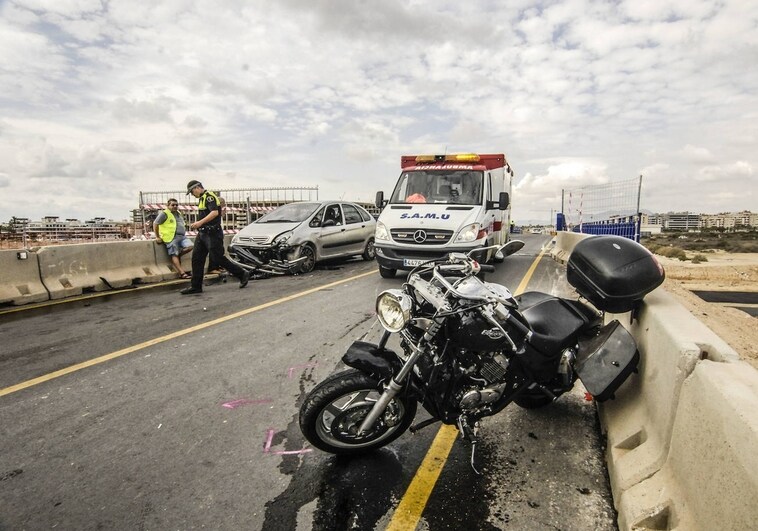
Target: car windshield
x=290 y=213
x=460 y=187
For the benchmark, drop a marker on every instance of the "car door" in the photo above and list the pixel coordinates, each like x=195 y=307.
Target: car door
x=356 y=232
x=332 y=240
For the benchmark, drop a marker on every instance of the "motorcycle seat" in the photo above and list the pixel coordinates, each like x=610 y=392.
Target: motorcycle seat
x=554 y=322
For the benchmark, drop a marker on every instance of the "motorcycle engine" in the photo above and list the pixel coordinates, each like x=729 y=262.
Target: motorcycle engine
x=486 y=378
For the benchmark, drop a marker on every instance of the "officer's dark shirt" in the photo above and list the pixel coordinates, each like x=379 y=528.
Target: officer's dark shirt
x=211 y=204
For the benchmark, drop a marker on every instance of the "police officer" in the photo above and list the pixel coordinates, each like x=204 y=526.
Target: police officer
x=209 y=239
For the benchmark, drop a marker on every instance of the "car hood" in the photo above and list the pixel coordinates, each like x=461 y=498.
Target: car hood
x=265 y=232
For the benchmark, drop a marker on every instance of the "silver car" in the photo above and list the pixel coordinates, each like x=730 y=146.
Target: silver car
x=295 y=236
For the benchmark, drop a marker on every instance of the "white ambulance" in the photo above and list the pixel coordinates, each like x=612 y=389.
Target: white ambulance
x=443 y=204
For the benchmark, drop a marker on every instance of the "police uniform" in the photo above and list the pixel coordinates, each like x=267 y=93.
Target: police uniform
x=210 y=240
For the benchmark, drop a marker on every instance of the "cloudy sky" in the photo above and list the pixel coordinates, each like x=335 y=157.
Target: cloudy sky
x=101 y=99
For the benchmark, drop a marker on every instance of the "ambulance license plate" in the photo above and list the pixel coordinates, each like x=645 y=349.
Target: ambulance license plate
x=412 y=262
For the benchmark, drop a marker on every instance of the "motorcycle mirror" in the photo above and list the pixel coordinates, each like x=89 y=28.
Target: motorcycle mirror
x=511 y=247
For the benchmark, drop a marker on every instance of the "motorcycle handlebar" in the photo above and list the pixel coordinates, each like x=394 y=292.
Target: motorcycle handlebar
x=486 y=268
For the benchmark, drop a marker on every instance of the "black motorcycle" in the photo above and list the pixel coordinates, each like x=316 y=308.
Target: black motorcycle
x=470 y=348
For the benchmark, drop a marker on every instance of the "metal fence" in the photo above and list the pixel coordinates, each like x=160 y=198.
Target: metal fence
x=241 y=206
x=612 y=208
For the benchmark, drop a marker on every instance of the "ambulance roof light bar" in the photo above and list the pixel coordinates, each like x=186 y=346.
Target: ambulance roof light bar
x=463 y=157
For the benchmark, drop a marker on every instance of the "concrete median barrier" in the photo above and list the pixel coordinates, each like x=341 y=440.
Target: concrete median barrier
x=564 y=245
x=166 y=268
x=640 y=420
x=709 y=479
x=21 y=278
x=68 y=270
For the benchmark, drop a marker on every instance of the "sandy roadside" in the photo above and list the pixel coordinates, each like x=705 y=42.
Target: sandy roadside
x=722 y=272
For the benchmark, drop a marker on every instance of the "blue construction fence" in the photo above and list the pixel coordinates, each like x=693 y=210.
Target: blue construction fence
x=629 y=229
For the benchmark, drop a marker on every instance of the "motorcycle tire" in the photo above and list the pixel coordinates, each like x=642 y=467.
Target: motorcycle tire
x=332 y=413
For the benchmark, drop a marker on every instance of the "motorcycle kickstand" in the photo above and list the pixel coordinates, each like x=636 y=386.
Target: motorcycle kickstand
x=422 y=424
x=471 y=435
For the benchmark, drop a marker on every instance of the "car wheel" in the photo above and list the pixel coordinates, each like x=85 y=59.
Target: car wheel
x=369 y=253
x=386 y=272
x=307 y=265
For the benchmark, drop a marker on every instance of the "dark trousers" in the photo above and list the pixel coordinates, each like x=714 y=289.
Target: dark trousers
x=210 y=242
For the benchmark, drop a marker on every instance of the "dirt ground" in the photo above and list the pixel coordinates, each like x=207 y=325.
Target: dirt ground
x=722 y=272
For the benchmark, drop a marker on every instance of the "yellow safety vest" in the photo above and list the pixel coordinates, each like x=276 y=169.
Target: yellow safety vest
x=167 y=229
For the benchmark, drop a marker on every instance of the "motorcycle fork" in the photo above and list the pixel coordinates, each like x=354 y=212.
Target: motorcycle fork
x=397 y=382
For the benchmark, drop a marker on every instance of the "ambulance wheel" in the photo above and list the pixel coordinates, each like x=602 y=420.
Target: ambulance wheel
x=386 y=272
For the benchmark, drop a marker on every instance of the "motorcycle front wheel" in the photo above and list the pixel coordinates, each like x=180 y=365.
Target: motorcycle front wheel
x=333 y=412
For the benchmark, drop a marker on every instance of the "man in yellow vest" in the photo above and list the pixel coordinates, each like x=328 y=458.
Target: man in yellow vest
x=169 y=229
x=209 y=239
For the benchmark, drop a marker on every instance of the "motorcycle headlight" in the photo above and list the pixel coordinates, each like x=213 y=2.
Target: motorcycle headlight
x=393 y=307
x=282 y=238
x=381 y=232
x=469 y=233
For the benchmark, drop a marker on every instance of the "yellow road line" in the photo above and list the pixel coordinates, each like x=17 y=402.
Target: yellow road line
x=168 y=337
x=408 y=512
x=524 y=281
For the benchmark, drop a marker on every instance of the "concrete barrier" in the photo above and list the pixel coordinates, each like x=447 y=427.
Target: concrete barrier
x=166 y=267
x=682 y=434
x=640 y=420
x=68 y=270
x=21 y=280
x=709 y=480
x=565 y=243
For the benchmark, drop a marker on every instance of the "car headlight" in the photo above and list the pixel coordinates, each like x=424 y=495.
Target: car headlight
x=393 y=307
x=381 y=232
x=469 y=233
x=282 y=238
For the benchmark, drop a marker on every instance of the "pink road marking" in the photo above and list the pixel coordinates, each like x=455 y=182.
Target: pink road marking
x=244 y=402
x=292 y=369
x=269 y=440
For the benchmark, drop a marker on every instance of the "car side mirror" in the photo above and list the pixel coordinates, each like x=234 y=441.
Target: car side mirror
x=379 y=201
x=503 y=201
x=328 y=223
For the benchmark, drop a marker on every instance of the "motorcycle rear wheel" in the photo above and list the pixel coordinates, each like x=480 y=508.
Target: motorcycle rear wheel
x=333 y=412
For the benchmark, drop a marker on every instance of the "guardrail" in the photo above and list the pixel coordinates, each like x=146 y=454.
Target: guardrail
x=683 y=433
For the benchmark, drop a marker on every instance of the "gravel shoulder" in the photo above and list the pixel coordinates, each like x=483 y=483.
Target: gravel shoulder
x=722 y=272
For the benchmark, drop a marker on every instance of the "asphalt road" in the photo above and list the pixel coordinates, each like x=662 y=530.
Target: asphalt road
x=180 y=412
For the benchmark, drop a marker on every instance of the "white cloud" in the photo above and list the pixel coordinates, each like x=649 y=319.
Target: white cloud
x=300 y=93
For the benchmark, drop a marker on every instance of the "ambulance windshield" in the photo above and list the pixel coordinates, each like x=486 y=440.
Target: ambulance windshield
x=460 y=187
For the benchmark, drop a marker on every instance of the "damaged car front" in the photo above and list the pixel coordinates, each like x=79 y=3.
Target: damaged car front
x=272 y=244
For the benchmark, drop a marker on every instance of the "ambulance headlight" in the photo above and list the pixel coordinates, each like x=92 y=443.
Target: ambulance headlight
x=393 y=307
x=469 y=233
x=381 y=232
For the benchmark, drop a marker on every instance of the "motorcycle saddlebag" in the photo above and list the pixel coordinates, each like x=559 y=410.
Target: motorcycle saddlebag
x=605 y=361
x=612 y=272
